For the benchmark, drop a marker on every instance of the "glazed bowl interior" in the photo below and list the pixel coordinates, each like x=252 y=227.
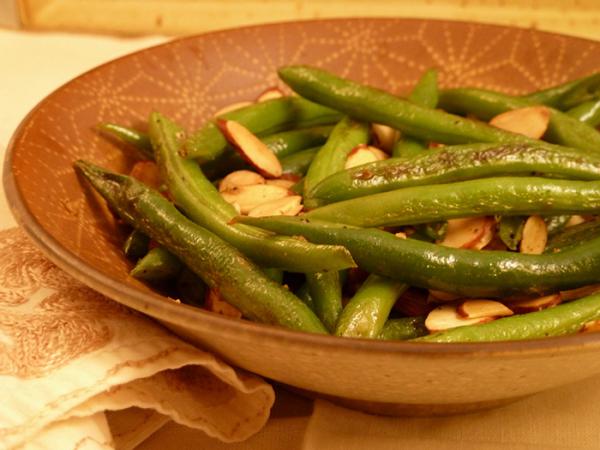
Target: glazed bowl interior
x=188 y=80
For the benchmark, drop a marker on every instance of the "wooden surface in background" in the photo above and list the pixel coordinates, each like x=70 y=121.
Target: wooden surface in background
x=181 y=17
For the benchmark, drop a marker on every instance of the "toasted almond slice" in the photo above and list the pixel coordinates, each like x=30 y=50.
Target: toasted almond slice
x=591 y=327
x=465 y=233
x=531 y=121
x=536 y=304
x=215 y=303
x=364 y=154
x=385 y=136
x=535 y=236
x=249 y=197
x=401 y=235
x=474 y=309
x=445 y=317
x=232 y=107
x=489 y=231
x=270 y=94
x=441 y=296
x=286 y=206
x=574 y=294
x=251 y=148
x=575 y=220
x=240 y=178
x=147 y=172
x=282 y=182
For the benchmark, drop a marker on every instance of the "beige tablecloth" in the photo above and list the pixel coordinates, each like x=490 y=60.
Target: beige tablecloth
x=35 y=64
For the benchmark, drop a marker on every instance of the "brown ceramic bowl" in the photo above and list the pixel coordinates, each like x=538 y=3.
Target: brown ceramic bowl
x=189 y=79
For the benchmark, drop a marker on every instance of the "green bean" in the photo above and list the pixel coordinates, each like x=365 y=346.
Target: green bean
x=136 y=245
x=346 y=135
x=404 y=328
x=407 y=147
x=284 y=144
x=366 y=313
x=299 y=162
x=469 y=273
x=326 y=294
x=505 y=196
x=156 y=266
x=130 y=136
x=374 y=105
x=567 y=318
x=274 y=274
x=573 y=236
x=569 y=94
x=562 y=128
x=456 y=163
x=200 y=200
x=263 y=118
x=587 y=112
x=221 y=266
x=303 y=293
x=425 y=93
x=510 y=230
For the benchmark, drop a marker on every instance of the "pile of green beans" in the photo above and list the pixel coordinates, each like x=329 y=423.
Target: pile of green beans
x=291 y=271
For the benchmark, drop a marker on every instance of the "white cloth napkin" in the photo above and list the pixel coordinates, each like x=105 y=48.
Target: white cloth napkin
x=67 y=354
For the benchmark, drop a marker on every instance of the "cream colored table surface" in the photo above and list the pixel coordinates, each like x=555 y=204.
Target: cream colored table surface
x=35 y=64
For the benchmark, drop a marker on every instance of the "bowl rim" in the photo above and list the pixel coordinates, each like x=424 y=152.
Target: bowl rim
x=178 y=313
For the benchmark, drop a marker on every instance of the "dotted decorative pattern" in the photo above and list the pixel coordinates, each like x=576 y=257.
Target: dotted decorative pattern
x=191 y=78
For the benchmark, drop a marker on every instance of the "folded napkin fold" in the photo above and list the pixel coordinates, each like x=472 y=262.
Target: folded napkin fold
x=67 y=354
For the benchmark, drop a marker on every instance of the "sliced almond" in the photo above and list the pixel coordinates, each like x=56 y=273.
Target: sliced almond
x=575 y=220
x=249 y=197
x=445 y=317
x=535 y=236
x=215 y=303
x=282 y=182
x=147 y=172
x=251 y=148
x=489 y=231
x=441 y=296
x=531 y=121
x=591 y=327
x=286 y=206
x=364 y=154
x=401 y=235
x=232 y=107
x=574 y=294
x=385 y=136
x=536 y=304
x=270 y=94
x=467 y=233
x=475 y=309
x=240 y=178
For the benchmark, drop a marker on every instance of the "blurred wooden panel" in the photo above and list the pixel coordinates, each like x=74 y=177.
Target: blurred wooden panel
x=180 y=17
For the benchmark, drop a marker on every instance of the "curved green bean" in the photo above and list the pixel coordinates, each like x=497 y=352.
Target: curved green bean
x=264 y=118
x=567 y=318
x=203 y=204
x=504 y=196
x=221 y=266
x=470 y=273
x=456 y=163
x=326 y=295
x=587 y=112
x=373 y=105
